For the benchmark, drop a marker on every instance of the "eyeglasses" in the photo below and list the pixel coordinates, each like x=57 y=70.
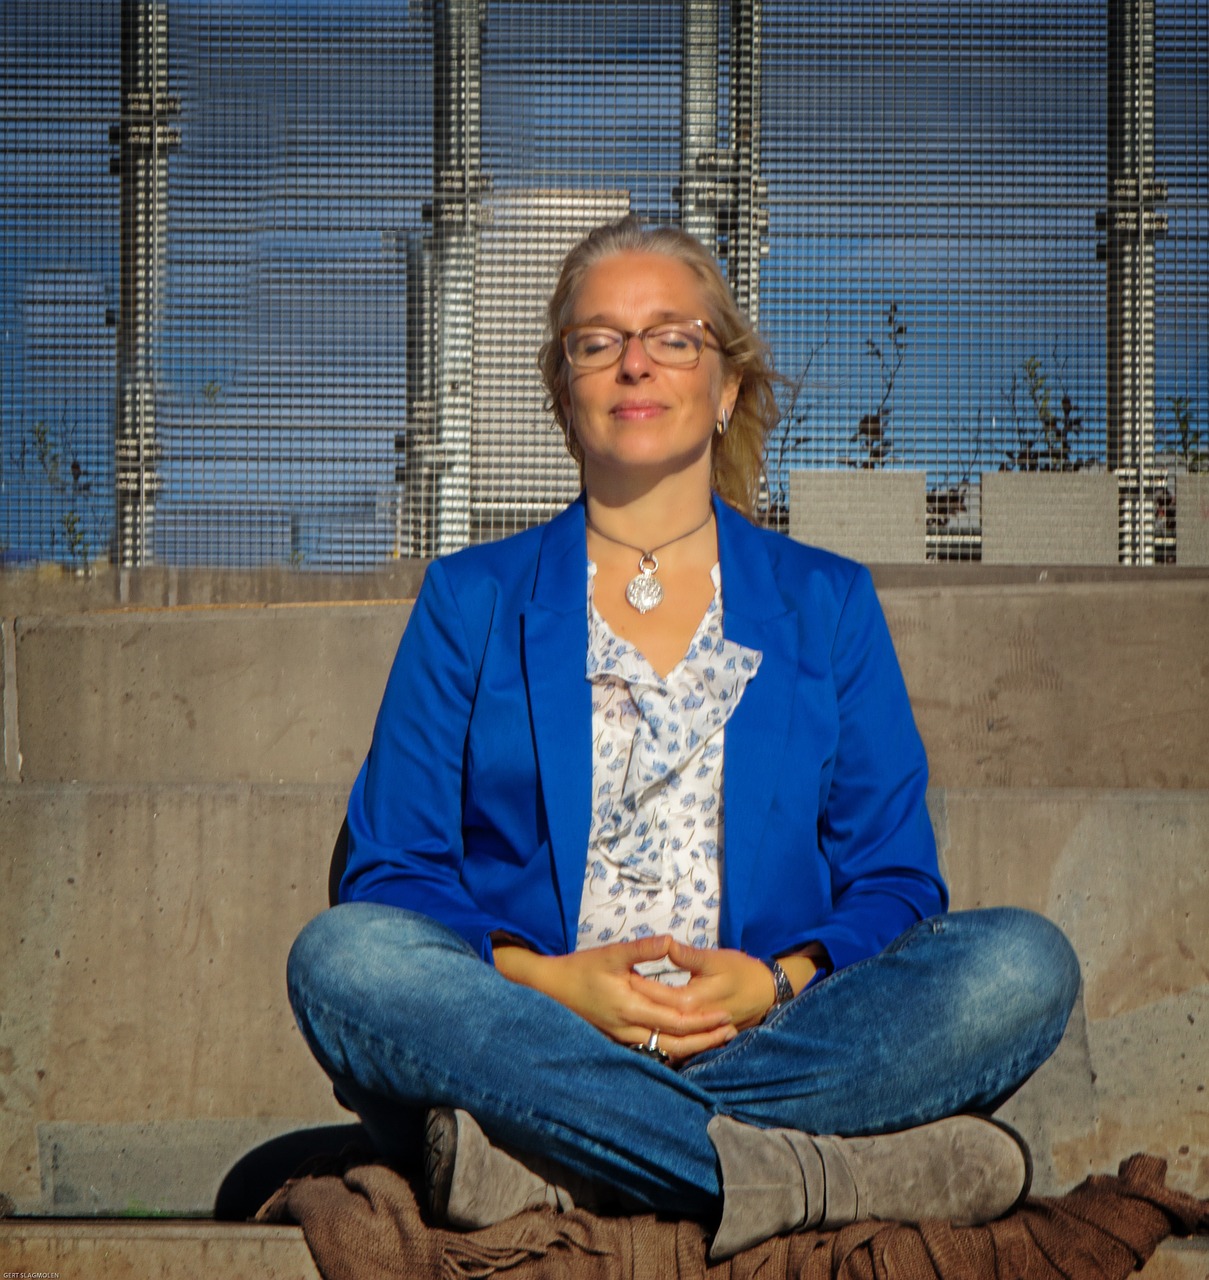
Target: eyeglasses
x=676 y=343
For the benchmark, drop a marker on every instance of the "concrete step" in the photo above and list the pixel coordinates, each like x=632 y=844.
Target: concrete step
x=167 y=1250
x=144 y=932
x=1097 y=684
x=278 y=694
x=48 y=589
x=191 y=1250
x=143 y=937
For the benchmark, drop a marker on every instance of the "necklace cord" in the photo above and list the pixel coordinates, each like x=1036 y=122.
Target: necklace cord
x=645 y=554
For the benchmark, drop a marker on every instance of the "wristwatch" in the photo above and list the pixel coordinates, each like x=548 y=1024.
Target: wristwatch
x=780 y=979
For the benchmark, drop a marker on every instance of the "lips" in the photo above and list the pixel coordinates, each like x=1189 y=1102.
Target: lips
x=636 y=409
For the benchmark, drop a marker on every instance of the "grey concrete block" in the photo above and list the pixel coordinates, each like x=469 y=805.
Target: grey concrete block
x=1083 y=684
x=1049 y=517
x=146 y=1169
x=144 y=932
x=1192 y=519
x=877 y=517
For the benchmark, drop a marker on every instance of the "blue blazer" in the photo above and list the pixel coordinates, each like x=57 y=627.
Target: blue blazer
x=473 y=804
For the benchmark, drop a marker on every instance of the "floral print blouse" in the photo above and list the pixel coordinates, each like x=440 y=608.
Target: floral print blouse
x=655 y=842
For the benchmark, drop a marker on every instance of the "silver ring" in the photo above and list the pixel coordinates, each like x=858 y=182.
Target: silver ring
x=651 y=1047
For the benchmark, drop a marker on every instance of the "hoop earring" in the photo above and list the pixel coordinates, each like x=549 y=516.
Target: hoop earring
x=723 y=423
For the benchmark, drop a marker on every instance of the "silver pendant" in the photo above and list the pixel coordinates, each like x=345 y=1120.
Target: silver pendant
x=644 y=591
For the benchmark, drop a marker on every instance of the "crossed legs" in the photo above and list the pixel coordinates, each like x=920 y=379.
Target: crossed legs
x=404 y=1016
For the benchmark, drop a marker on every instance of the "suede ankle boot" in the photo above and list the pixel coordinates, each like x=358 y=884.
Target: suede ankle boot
x=473 y=1183
x=964 y=1169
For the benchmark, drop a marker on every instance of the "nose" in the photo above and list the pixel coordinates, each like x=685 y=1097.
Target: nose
x=634 y=362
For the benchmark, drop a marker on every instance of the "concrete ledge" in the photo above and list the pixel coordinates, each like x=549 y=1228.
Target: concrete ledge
x=146 y=910
x=231 y=1251
x=166 y=1250
x=1179 y=1260
x=1082 y=685
x=168 y=1166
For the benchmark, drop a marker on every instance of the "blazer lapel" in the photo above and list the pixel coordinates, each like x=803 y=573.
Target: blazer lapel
x=554 y=655
x=754 y=614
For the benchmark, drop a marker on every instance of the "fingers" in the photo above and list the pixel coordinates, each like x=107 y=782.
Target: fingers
x=724 y=979
x=692 y=999
x=672 y=1017
x=693 y=959
x=641 y=950
x=682 y=1002
x=678 y=1048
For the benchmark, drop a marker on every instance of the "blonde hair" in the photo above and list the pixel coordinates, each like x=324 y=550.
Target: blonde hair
x=738 y=455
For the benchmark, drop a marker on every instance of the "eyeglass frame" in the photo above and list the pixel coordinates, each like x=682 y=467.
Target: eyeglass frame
x=627 y=335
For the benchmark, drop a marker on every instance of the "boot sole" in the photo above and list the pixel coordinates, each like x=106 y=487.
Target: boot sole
x=440 y=1159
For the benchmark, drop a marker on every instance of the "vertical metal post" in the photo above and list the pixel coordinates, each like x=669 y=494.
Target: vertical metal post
x=1132 y=223
x=418 y=472
x=457 y=110
x=699 y=160
x=144 y=138
x=723 y=199
x=748 y=225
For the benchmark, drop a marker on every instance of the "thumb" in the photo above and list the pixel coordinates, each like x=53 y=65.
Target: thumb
x=653 y=947
x=685 y=957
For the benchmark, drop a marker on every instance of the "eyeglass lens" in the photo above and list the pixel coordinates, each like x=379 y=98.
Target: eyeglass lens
x=598 y=346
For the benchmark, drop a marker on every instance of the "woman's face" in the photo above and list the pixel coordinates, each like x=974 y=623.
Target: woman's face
x=638 y=416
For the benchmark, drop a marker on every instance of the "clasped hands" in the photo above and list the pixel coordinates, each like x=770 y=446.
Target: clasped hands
x=727 y=991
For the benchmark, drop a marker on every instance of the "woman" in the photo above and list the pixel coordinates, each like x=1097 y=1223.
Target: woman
x=646 y=778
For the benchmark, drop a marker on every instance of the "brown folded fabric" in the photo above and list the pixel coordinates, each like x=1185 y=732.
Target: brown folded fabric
x=362 y=1222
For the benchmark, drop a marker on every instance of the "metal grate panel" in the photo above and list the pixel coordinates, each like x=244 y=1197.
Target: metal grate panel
x=272 y=273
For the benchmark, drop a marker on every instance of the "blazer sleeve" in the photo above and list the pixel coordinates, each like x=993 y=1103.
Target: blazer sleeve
x=874 y=827
x=405 y=809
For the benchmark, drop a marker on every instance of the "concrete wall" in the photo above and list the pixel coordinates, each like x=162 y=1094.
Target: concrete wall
x=175 y=776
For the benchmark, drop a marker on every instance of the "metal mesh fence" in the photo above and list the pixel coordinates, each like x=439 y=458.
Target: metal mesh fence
x=273 y=274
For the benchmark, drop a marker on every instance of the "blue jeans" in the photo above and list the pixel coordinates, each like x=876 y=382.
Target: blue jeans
x=953 y=1016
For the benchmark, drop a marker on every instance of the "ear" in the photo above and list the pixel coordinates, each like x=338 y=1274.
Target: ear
x=730 y=394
